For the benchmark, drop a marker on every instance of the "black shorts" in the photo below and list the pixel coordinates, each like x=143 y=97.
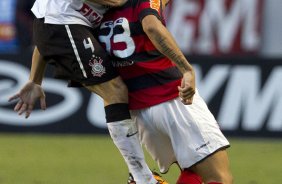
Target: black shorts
x=74 y=51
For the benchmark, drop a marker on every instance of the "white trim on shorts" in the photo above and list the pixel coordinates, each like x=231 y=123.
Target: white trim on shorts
x=75 y=51
x=174 y=132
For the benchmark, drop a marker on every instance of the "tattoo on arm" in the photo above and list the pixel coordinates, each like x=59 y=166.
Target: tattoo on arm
x=176 y=57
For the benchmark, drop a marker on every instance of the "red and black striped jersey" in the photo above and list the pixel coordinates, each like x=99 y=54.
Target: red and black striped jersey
x=151 y=77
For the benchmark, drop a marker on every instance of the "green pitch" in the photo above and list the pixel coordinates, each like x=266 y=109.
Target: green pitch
x=65 y=159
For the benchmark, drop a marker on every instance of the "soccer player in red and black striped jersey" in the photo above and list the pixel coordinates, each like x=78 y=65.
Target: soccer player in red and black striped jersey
x=138 y=60
x=175 y=123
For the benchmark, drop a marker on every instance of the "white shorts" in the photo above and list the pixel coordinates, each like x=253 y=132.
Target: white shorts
x=174 y=132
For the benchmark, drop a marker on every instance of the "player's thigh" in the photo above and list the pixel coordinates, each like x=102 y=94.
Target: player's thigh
x=113 y=91
x=215 y=167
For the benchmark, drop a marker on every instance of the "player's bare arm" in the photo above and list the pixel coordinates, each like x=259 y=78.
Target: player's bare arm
x=112 y=3
x=32 y=90
x=37 y=67
x=165 y=43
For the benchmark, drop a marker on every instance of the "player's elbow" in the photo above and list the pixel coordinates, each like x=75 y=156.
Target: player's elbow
x=151 y=27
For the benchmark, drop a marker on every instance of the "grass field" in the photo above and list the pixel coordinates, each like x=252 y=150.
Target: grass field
x=74 y=159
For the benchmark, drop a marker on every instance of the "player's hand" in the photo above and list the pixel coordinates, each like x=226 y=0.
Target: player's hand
x=27 y=97
x=187 y=88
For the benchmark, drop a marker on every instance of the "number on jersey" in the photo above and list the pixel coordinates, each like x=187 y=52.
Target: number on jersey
x=118 y=32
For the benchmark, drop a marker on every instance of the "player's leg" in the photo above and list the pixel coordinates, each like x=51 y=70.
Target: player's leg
x=192 y=130
x=208 y=151
x=158 y=143
x=113 y=91
x=78 y=57
x=104 y=81
x=214 y=166
x=122 y=129
x=111 y=88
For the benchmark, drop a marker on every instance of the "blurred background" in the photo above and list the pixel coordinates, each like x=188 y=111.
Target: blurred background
x=235 y=47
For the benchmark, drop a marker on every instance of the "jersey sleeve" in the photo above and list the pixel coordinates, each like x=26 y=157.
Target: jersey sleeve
x=150 y=7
